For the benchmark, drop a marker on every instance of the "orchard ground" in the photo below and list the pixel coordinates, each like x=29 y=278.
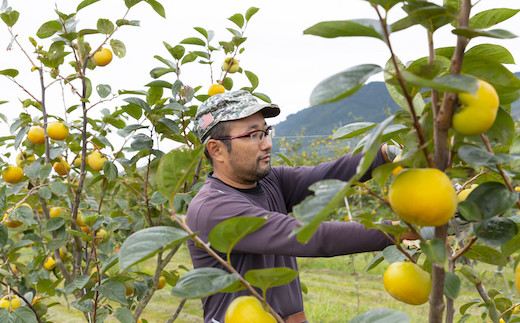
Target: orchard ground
x=331 y=297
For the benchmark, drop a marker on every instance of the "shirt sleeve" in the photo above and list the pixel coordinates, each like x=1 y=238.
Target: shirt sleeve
x=275 y=235
x=294 y=181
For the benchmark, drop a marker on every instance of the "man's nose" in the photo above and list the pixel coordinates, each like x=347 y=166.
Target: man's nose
x=267 y=143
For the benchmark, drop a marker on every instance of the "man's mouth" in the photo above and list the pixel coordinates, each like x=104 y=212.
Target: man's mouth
x=266 y=157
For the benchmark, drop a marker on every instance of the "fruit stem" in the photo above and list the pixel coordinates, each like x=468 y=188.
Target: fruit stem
x=464 y=249
x=398 y=246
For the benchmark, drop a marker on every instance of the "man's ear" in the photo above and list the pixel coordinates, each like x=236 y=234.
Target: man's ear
x=216 y=149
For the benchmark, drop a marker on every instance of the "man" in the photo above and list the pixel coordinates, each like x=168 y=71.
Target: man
x=243 y=183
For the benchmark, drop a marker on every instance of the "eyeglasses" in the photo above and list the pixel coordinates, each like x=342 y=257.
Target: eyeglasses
x=257 y=136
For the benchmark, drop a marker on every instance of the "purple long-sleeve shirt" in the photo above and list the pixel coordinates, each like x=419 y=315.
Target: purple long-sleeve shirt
x=271 y=245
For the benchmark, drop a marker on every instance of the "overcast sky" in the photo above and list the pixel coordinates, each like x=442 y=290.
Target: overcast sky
x=288 y=63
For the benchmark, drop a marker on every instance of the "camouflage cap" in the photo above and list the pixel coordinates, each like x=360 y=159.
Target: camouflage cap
x=228 y=106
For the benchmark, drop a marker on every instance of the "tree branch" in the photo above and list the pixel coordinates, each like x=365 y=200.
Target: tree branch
x=227 y=266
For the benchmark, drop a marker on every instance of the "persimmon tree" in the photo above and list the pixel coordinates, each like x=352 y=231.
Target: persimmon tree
x=85 y=192
x=427 y=90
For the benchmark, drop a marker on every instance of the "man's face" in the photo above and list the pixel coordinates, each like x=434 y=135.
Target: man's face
x=249 y=160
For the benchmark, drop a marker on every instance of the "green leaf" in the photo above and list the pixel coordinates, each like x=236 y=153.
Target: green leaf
x=9 y=72
x=110 y=170
x=48 y=29
x=507 y=248
x=10 y=18
x=228 y=83
x=347 y=28
x=175 y=168
x=202 y=282
x=488 y=69
x=159 y=71
x=496 y=231
x=202 y=31
x=32 y=170
x=270 y=277
x=381 y=315
x=491 y=51
x=225 y=235
x=22 y=314
x=252 y=78
x=491 y=17
x=193 y=41
x=494 y=33
x=84 y=32
x=353 y=130
x=469 y=304
x=370 y=146
x=103 y=90
x=396 y=92
x=452 y=285
x=131 y=3
x=118 y=47
x=250 y=12
x=3 y=197
x=262 y=97
x=386 y=4
x=435 y=250
x=160 y=83
x=426 y=14
x=147 y=242
x=392 y=254
x=285 y=159
x=177 y=52
x=378 y=258
x=55 y=223
x=115 y=291
x=44 y=171
x=88 y=90
x=158 y=199
x=85 y=3
x=493 y=198
x=157 y=7
x=141 y=142
x=154 y=96
x=167 y=127
x=447 y=83
x=80 y=234
x=238 y=19
x=469 y=211
x=343 y=84
x=124 y=22
x=486 y=254
x=105 y=26
x=139 y=102
x=479 y=157
x=315 y=208
x=4 y=235
x=124 y=315
x=503 y=129
x=56 y=243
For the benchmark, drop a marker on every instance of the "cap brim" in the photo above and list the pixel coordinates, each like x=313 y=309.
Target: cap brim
x=270 y=110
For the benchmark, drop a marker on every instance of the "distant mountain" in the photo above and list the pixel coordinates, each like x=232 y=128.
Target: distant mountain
x=371 y=103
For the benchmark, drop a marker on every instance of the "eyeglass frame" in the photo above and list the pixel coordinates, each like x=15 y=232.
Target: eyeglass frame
x=269 y=130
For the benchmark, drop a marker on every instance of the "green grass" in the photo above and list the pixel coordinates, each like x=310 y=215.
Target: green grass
x=331 y=296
